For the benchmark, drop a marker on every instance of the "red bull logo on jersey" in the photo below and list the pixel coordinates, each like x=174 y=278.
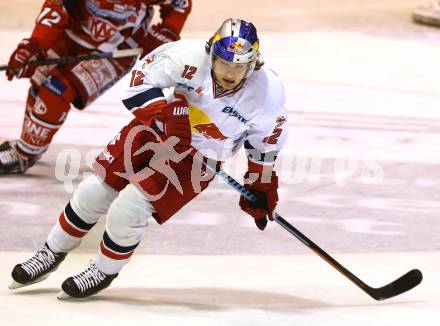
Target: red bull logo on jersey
x=210 y=130
x=280 y=121
x=202 y=124
x=150 y=59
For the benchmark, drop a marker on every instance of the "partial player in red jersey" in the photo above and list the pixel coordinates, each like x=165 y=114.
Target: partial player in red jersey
x=73 y=27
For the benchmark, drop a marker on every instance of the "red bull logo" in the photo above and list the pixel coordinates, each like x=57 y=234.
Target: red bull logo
x=280 y=121
x=201 y=123
x=235 y=47
x=210 y=130
x=149 y=59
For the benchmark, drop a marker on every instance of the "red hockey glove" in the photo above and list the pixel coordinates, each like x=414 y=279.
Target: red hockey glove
x=19 y=65
x=156 y=36
x=176 y=120
x=265 y=189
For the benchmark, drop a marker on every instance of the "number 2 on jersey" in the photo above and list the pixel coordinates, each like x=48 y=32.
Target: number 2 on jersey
x=273 y=139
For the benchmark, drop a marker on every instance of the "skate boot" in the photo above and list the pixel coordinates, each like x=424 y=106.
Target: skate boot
x=11 y=162
x=37 y=268
x=85 y=284
x=428 y=13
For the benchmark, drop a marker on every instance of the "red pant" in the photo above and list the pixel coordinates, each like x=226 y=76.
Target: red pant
x=143 y=156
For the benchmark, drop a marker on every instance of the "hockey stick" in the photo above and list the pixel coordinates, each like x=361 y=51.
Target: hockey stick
x=399 y=286
x=83 y=57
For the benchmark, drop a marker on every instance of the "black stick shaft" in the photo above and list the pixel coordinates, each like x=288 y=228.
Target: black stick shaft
x=83 y=57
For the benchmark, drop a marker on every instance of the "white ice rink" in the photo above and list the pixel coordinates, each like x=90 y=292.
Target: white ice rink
x=360 y=176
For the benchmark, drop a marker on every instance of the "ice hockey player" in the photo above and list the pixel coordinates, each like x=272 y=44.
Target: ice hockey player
x=428 y=13
x=67 y=28
x=223 y=98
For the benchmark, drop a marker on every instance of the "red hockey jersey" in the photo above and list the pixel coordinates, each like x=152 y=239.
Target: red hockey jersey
x=105 y=24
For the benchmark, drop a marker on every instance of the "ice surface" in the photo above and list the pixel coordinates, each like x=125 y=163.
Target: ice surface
x=360 y=175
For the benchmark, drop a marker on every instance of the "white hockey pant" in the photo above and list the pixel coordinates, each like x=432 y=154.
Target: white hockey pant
x=127 y=216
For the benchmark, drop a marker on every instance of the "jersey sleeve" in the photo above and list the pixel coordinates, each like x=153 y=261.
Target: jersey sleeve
x=268 y=133
x=144 y=95
x=174 y=14
x=50 y=23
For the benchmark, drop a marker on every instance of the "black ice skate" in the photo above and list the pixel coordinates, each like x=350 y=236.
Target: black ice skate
x=85 y=284
x=11 y=162
x=37 y=268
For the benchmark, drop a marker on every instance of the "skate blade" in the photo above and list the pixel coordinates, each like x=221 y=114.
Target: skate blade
x=15 y=285
x=63 y=296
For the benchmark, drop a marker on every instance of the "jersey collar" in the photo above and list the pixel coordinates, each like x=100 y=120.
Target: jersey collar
x=218 y=91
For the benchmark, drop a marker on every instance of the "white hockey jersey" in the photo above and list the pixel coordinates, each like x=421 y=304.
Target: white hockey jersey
x=253 y=115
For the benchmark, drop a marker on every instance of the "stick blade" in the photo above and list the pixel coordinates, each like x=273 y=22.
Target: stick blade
x=399 y=286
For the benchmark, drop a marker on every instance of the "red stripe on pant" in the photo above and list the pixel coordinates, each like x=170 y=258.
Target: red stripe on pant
x=113 y=255
x=69 y=228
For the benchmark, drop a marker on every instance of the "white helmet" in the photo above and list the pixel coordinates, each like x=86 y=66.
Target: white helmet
x=236 y=41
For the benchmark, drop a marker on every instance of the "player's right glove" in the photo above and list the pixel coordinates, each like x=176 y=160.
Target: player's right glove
x=19 y=65
x=264 y=186
x=176 y=121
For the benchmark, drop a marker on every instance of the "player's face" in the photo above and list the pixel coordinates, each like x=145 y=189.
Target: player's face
x=229 y=74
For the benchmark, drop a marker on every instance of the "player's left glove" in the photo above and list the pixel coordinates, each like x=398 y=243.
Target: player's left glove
x=19 y=65
x=264 y=187
x=156 y=36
